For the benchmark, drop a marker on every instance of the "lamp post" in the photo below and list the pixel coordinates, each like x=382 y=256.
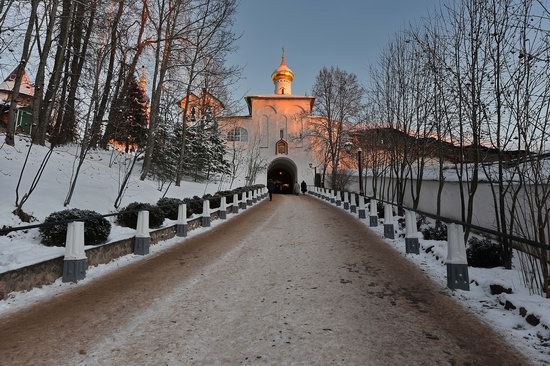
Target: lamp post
x=348 y=145
x=314 y=173
x=359 y=161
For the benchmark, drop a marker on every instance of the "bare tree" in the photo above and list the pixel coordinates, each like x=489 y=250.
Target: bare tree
x=20 y=71
x=340 y=105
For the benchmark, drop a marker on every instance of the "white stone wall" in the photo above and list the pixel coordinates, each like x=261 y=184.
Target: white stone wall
x=271 y=115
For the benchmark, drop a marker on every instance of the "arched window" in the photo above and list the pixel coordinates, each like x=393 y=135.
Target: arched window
x=238 y=134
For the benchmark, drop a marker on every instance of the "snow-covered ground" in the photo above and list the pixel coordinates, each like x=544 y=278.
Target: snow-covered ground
x=23 y=299
x=534 y=341
x=96 y=189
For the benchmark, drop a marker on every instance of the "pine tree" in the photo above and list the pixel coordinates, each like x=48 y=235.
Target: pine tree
x=130 y=116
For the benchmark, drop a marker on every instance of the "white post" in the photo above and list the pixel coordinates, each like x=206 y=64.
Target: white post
x=74 y=263
x=338 y=198
x=249 y=198
x=388 y=222
x=457 y=262
x=235 y=206
x=222 y=213
x=373 y=218
x=205 y=213
x=142 y=239
x=181 y=224
x=411 y=233
x=346 y=200
x=362 y=211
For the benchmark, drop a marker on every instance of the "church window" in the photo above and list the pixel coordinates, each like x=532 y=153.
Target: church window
x=238 y=134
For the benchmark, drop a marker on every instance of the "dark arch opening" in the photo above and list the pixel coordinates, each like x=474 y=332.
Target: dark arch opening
x=283 y=173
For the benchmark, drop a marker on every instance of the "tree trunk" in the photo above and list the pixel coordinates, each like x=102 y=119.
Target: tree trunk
x=25 y=54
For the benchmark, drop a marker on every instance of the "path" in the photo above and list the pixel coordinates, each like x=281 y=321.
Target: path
x=293 y=281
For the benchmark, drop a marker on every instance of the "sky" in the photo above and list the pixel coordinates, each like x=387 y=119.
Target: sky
x=316 y=33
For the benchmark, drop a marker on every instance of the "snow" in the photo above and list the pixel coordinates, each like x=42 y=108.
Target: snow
x=96 y=189
x=17 y=301
x=534 y=341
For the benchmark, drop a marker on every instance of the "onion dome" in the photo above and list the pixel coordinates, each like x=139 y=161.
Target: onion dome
x=283 y=71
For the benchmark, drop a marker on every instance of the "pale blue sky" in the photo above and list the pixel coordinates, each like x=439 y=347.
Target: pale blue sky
x=316 y=33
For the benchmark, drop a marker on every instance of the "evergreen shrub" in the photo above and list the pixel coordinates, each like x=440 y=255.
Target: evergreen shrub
x=194 y=205
x=128 y=215
x=484 y=253
x=169 y=207
x=437 y=232
x=96 y=228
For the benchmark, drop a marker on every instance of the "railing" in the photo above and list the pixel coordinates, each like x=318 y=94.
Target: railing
x=74 y=264
x=457 y=265
x=473 y=227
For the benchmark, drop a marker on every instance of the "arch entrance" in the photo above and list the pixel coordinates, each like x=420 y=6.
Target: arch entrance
x=284 y=173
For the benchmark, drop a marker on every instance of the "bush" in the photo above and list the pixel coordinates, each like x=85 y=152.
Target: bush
x=129 y=214
x=169 y=207
x=194 y=205
x=215 y=201
x=483 y=253
x=437 y=232
x=96 y=228
x=228 y=195
x=241 y=192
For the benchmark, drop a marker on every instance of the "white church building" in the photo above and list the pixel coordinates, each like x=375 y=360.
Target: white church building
x=274 y=129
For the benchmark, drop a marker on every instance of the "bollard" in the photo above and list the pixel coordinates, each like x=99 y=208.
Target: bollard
x=142 y=239
x=388 y=222
x=181 y=224
x=457 y=263
x=235 y=206
x=242 y=202
x=338 y=198
x=411 y=233
x=352 y=204
x=249 y=198
x=362 y=212
x=254 y=197
x=205 y=213
x=74 y=263
x=332 y=196
x=346 y=200
x=373 y=218
x=223 y=209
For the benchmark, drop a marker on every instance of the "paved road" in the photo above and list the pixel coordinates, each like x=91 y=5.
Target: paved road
x=293 y=281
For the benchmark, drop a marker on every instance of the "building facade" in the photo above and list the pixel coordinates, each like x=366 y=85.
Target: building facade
x=23 y=112
x=273 y=134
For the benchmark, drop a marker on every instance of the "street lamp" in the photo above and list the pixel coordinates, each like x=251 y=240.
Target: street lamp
x=348 y=145
x=315 y=173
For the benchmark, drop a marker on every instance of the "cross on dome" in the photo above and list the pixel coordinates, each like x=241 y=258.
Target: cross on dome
x=282 y=77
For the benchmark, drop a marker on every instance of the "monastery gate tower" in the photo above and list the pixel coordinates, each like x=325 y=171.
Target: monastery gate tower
x=275 y=128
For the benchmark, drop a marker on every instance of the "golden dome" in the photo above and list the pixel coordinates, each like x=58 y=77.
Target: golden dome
x=283 y=71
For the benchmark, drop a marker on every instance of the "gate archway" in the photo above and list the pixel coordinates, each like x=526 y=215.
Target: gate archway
x=284 y=173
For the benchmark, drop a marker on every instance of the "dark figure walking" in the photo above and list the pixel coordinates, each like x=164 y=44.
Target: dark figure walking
x=270 y=188
x=304 y=187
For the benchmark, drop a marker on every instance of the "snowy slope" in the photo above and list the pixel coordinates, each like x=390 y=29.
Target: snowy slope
x=96 y=190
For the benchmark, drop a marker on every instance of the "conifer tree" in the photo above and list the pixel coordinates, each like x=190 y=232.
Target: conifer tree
x=129 y=112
